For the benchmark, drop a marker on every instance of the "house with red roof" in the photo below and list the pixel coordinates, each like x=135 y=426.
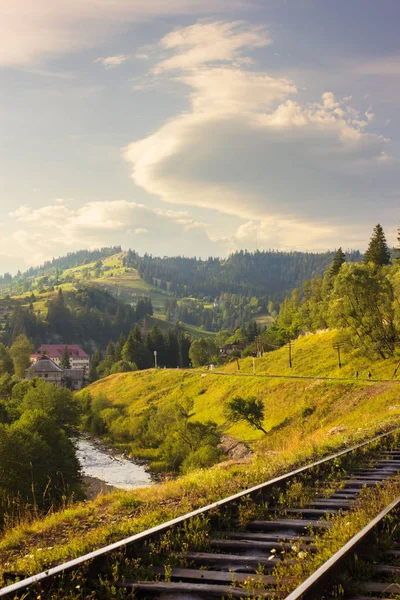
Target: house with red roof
x=77 y=357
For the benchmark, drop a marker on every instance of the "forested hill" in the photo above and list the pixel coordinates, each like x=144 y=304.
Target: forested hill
x=268 y=274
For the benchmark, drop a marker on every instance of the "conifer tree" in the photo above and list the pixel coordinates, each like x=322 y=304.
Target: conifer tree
x=398 y=246
x=118 y=348
x=337 y=262
x=93 y=375
x=378 y=251
x=65 y=362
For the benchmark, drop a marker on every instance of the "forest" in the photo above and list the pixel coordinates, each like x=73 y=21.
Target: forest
x=361 y=300
x=268 y=274
x=88 y=316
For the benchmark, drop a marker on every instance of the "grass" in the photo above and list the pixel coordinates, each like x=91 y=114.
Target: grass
x=305 y=419
x=317 y=408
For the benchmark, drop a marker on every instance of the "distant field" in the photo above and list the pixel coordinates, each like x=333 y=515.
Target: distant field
x=265 y=320
x=130 y=286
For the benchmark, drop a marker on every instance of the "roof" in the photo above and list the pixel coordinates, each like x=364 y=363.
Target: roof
x=45 y=365
x=234 y=346
x=56 y=351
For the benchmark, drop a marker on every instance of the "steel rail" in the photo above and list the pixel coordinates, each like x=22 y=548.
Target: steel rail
x=316 y=583
x=15 y=588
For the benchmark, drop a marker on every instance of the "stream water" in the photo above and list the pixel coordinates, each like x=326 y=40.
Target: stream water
x=97 y=461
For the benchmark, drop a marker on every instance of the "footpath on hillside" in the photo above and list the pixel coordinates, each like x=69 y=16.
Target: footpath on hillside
x=312 y=377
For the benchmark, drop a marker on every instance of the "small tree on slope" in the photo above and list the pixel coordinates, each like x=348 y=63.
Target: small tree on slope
x=249 y=410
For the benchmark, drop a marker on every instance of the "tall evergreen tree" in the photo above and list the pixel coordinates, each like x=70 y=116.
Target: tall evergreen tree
x=92 y=375
x=184 y=347
x=172 y=349
x=378 y=251
x=337 y=262
x=398 y=246
x=118 y=348
x=137 y=334
x=110 y=352
x=65 y=363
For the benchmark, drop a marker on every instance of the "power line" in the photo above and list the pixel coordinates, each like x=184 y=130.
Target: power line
x=337 y=346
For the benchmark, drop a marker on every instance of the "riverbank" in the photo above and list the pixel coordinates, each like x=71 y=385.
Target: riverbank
x=105 y=470
x=94 y=487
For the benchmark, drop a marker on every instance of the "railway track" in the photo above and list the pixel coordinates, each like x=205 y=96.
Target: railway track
x=232 y=548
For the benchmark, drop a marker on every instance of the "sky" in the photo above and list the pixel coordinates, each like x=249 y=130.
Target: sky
x=197 y=127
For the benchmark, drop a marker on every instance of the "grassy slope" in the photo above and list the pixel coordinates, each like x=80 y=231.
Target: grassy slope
x=344 y=411
x=343 y=403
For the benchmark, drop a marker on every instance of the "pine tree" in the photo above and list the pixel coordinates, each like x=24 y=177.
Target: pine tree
x=110 y=352
x=65 y=362
x=338 y=259
x=398 y=246
x=93 y=375
x=378 y=251
x=137 y=334
x=118 y=348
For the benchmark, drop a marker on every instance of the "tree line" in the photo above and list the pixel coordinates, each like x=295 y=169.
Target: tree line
x=86 y=316
x=268 y=274
x=361 y=299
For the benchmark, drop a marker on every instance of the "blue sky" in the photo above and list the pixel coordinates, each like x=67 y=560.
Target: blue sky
x=197 y=127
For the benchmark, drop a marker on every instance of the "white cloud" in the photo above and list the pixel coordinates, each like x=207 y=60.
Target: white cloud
x=55 y=229
x=226 y=90
x=246 y=149
x=31 y=31
x=110 y=62
x=290 y=235
x=205 y=43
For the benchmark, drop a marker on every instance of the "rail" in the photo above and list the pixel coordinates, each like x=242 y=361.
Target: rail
x=45 y=576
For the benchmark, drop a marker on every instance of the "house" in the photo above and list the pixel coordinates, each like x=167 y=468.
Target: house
x=236 y=348
x=49 y=371
x=77 y=357
x=46 y=369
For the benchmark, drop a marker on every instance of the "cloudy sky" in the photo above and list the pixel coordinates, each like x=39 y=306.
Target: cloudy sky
x=197 y=127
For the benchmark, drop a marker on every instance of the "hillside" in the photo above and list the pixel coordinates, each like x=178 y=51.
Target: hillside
x=207 y=295
x=285 y=399
x=304 y=417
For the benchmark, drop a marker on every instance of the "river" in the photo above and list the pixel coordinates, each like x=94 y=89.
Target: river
x=96 y=461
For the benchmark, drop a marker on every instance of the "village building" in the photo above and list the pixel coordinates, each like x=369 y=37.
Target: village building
x=49 y=371
x=77 y=357
x=236 y=349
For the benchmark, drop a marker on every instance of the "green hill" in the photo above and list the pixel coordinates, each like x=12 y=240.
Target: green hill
x=340 y=402
x=305 y=418
x=210 y=294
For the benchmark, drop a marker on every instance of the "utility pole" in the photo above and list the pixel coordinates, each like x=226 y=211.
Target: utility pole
x=155 y=359
x=290 y=353
x=254 y=365
x=337 y=346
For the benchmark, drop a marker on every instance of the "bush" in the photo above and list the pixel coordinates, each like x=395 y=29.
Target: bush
x=306 y=412
x=204 y=457
x=122 y=366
